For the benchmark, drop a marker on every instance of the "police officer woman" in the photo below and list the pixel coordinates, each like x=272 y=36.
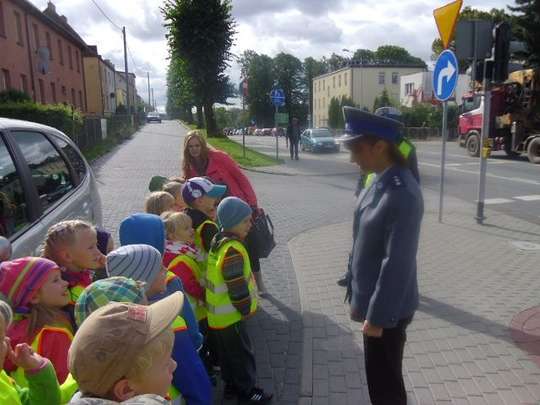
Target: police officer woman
x=383 y=287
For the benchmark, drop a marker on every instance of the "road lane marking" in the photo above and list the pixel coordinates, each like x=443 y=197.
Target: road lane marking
x=535 y=197
x=493 y=176
x=492 y=201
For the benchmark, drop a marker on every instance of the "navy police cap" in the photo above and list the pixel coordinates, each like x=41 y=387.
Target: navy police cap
x=359 y=123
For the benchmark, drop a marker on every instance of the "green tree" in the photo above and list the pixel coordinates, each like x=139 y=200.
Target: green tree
x=288 y=74
x=312 y=68
x=364 y=56
x=395 y=55
x=261 y=81
x=334 y=113
x=527 y=28
x=180 y=97
x=383 y=100
x=200 y=33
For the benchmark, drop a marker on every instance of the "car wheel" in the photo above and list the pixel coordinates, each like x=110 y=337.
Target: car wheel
x=473 y=144
x=533 y=151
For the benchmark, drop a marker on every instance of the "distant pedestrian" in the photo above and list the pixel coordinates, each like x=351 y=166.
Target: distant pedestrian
x=383 y=287
x=293 y=134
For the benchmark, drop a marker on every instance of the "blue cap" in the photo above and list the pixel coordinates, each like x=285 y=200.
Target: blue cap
x=359 y=123
x=196 y=187
x=231 y=211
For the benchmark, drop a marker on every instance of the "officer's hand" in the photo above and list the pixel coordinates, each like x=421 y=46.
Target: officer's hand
x=371 y=330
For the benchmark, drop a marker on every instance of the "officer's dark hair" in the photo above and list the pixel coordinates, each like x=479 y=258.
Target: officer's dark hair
x=393 y=150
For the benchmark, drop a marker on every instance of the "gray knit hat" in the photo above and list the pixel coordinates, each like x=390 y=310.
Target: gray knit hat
x=138 y=262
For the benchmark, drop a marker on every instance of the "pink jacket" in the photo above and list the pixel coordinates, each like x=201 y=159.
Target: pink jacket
x=223 y=170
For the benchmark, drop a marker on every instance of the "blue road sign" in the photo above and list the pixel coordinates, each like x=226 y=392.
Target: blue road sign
x=445 y=75
x=278 y=97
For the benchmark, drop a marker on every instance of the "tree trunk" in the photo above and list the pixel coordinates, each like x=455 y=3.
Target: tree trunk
x=200 y=119
x=189 y=115
x=211 y=126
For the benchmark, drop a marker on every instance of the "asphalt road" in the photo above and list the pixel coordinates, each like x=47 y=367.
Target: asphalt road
x=513 y=185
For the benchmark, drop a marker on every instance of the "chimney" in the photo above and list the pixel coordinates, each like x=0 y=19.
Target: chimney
x=51 y=7
x=64 y=19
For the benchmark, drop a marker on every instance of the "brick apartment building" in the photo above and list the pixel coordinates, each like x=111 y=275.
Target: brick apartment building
x=41 y=54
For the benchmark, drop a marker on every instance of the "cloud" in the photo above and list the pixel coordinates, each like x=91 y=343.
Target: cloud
x=244 y=9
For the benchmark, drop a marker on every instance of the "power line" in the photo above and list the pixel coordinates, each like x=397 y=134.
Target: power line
x=105 y=15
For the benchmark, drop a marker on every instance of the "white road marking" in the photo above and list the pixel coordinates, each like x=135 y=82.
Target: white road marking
x=492 y=201
x=512 y=179
x=535 y=197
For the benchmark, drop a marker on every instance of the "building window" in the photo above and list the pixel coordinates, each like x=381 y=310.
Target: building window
x=328 y=91
x=19 y=28
x=81 y=104
x=323 y=85
x=409 y=89
x=70 y=58
x=324 y=102
x=2 y=23
x=60 y=52
x=395 y=78
x=53 y=92
x=382 y=78
x=36 y=36
x=73 y=99
x=334 y=82
x=77 y=60
x=64 y=91
x=49 y=44
x=339 y=81
x=5 y=82
x=345 y=79
x=41 y=91
x=24 y=84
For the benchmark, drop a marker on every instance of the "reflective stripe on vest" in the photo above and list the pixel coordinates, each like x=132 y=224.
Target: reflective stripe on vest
x=221 y=311
x=405 y=148
x=18 y=374
x=68 y=389
x=198 y=235
x=198 y=306
x=75 y=292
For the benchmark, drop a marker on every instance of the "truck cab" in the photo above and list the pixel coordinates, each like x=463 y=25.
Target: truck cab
x=470 y=122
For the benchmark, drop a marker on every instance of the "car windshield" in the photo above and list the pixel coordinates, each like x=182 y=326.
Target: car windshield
x=321 y=133
x=153 y=114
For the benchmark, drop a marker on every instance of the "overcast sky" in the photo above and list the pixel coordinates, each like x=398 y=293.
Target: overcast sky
x=300 y=27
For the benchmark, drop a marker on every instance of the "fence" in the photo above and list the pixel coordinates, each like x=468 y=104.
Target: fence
x=96 y=130
x=425 y=133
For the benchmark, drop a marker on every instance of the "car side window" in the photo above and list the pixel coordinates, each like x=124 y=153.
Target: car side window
x=49 y=171
x=13 y=207
x=73 y=156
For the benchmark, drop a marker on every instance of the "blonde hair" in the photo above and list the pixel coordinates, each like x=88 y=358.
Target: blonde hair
x=173 y=220
x=62 y=234
x=174 y=188
x=157 y=347
x=158 y=202
x=6 y=314
x=187 y=163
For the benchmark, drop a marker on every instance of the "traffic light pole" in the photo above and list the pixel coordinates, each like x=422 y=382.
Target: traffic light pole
x=443 y=156
x=277 y=135
x=484 y=149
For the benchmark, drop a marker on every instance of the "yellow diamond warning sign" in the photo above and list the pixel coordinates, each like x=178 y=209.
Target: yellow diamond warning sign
x=446 y=19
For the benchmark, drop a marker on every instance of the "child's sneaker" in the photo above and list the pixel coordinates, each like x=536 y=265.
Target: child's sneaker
x=256 y=396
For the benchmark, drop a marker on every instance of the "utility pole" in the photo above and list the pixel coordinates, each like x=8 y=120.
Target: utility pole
x=128 y=102
x=148 y=76
x=153 y=101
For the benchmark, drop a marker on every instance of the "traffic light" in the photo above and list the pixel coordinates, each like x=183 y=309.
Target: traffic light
x=503 y=35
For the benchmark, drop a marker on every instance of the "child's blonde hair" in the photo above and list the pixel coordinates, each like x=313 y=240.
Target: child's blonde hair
x=6 y=314
x=159 y=346
x=174 y=188
x=158 y=202
x=62 y=234
x=173 y=220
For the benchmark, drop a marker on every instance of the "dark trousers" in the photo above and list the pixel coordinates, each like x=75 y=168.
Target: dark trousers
x=293 y=147
x=236 y=357
x=383 y=360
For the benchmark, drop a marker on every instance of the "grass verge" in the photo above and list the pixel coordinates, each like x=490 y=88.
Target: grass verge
x=235 y=150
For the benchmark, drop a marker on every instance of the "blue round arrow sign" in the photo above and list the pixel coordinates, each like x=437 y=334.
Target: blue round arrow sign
x=445 y=75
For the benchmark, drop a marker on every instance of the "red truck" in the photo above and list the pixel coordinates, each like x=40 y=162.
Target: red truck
x=515 y=117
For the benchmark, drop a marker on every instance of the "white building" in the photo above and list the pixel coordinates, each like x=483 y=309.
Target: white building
x=418 y=88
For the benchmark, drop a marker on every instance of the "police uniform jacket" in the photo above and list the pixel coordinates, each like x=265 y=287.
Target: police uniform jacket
x=384 y=287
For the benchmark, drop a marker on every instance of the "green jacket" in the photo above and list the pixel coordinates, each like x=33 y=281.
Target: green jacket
x=42 y=388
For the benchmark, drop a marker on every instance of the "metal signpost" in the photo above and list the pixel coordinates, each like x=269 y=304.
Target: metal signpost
x=445 y=80
x=445 y=75
x=278 y=99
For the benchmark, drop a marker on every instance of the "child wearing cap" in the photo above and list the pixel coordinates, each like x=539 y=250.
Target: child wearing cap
x=149 y=229
x=122 y=353
x=39 y=372
x=201 y=196
x=73 y=245
x=174 y=188
x=231 y=297
x=190 y=377
x=34 y=288
x=158 y=202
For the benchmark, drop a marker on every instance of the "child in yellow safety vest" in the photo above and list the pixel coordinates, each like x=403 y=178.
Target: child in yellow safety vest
x=231 y=297
x=73 y=245
x=34 y=288
x=39 y=372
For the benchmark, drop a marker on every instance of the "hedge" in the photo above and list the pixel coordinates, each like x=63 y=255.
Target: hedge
x=57 y=116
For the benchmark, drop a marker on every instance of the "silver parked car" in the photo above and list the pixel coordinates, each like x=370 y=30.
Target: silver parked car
x=44 y=179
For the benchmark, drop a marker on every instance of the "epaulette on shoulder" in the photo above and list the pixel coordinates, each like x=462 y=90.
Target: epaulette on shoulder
x=397 y=182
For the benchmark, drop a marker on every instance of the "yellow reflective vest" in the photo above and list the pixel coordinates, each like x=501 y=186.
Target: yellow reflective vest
x=221 y=311
x=199 y=307
x=198 y=235
x=178 y=325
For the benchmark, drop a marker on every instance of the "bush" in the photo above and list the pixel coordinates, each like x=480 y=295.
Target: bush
x=14 y=96
x=57 y=116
